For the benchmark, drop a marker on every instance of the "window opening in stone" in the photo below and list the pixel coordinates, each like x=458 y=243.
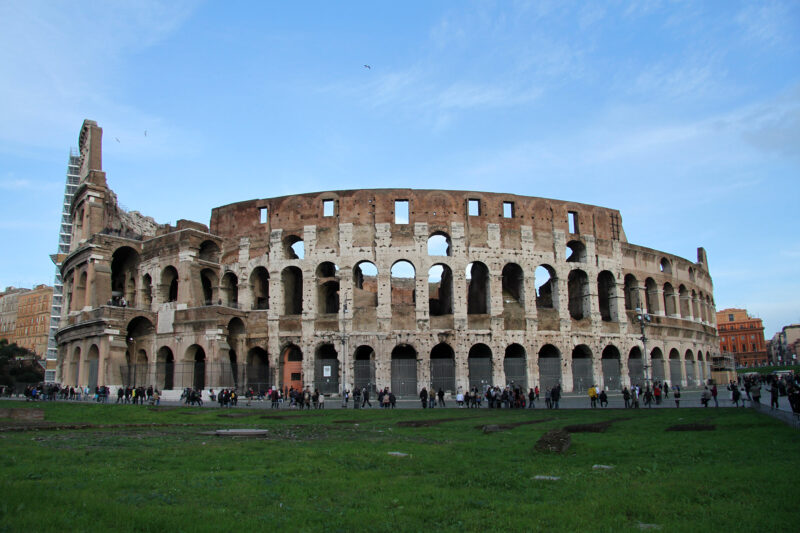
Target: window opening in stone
x=631 y=292
x=263 y=215
x=259 y=285
x=474 y=207
x=292 y=279
x=651 y=297
x=147 y=290
x=573 y=222
x=684 y=302
x=546 y=287
x=665 y=266
x=124 y=268
x=294 y=248
x=401 y=212
x=691 y=274
x=578 y=290
x=365 y=285
x=605 y=295
x=669 y=300
x=440 y=290
x=477 y=289
x=169 y=285
x=209 y=251
x=327 y=288
x=508 y=209
x=576 y=252
x=327 y=208
x=403 y=284
x=230 y=290
x=208 y=280
x=439 y=245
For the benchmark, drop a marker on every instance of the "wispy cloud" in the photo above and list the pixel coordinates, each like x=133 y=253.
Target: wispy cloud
x=771 y=23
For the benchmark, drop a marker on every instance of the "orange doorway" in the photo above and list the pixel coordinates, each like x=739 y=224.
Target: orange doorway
x=292 y=360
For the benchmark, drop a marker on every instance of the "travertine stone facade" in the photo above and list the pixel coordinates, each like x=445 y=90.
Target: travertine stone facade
x=393 y=288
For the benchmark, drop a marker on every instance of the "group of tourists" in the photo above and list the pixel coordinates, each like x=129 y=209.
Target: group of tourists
x=138 y=395
x=656 y=395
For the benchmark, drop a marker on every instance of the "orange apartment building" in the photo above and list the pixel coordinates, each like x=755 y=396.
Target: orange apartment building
x=742 y=336
x=33 y=319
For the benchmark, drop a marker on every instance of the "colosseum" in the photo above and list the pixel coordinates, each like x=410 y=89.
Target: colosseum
x=397 y=288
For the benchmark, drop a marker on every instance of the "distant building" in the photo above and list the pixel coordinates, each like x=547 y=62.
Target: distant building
x=8 y=313
x=785 y=345
x=742 y=336
x=33 y=319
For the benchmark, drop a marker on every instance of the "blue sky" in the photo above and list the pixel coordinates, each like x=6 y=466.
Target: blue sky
x=685 y=116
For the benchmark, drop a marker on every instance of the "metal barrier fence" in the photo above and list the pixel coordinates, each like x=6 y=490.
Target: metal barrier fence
x=198 y=375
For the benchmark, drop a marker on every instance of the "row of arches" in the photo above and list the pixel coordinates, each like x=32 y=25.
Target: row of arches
x=665 y=300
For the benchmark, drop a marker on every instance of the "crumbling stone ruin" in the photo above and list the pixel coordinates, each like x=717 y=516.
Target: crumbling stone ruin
x=395 y=288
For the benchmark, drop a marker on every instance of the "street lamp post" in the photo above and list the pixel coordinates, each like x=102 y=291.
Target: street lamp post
x=643 y=317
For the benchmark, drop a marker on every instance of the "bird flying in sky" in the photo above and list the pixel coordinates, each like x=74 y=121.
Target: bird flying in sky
x=367 y=66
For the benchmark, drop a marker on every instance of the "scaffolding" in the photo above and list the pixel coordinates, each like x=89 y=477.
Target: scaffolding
x=64 y=241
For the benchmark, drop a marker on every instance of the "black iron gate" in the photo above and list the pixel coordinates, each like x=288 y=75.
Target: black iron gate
x=93 y=374
x=582 y=374
x=480 y=372
x=326 y=375
x=404 y=377
x=443 y=374
x=364 y=371
x=690 y=379
x=549 y=372
x=611 y=374
x=516 y=372
x=658 y=369
x=636 y=371
x=675 y=372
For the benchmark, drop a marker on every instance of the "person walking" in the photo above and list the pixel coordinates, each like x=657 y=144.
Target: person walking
x=774 y=392
x=626 y=397
x=714 y=393
x=441 y=397
x=755 y=392
x=676 y=393
x=423 y=397
x=365 y=397
x=555 y=395
x=593 y=397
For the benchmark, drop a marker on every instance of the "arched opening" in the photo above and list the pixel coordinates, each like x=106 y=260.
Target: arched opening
x=364 y=368
x=657 y=363
x=258 y=369
x=582 y=368
x=365 y=285
x=690 y=369
x=651 y=296
x=439 y=244
x=635 y=366
x=685 y=302
x=74 y=368
x=326 y=370
x=259 y=287
x=549 y=367
x=208 y=281
x=293 y=247
x=403 y=293
x=606 y=295
x=292 y=279
x=327 y=288
x=477 y=289
x=138 y=338
x=168 y=289
x=513 y=297
x=546 y=287
x=147 y=291
x=292 y=371
x=80 y=292
x=665 y=266
x=92 y=364
x=230 y=290
x=695 y=307
x=124 y=270
x=479 y=363
x=578 y=290
x=440 y=290
x=691 y=274
x=404 y=370
x=576 y=252
x=443 y=368
x=675 y=368
x=515 y=367
x=209 y=251
x=196 y=357
x=669 y=300
x=165 y=368
x=230 y=374
x=632 y=293
x=610 y=361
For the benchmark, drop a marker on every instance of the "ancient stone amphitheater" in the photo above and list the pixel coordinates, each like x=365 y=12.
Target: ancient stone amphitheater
x=376 y=288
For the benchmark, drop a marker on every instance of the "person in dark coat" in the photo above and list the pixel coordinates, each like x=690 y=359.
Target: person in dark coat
x=423 y=397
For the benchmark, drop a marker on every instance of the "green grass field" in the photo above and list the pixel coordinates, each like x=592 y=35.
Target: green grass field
x=132 y=468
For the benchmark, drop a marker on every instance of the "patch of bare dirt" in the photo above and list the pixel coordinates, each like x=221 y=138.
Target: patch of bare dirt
x=555 y=440
x=595 y=427
x=500 y=427
x=236 y=415
x=426 y=423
